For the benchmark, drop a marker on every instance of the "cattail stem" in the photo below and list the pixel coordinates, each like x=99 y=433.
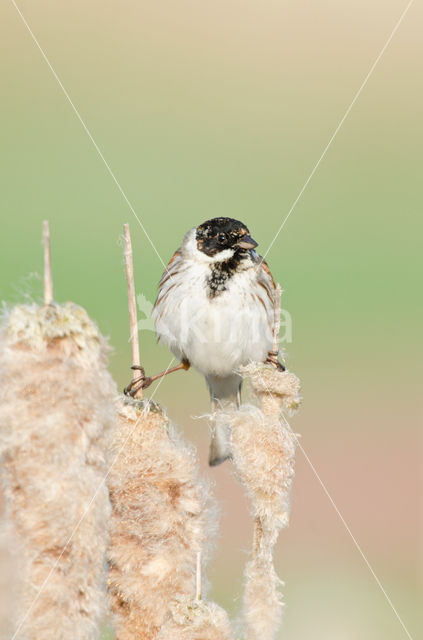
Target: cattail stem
x=132 y=307
x=198 y=577
x=48 y=278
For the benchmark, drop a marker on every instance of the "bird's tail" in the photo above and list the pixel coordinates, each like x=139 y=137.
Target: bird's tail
x=224 y=394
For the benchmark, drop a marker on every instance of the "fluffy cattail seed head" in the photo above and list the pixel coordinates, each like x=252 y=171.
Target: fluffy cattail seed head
x=263 y=449
x=163 y=516
x=56 y=416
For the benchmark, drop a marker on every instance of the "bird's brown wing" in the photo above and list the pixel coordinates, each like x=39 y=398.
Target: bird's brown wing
x=171 y=270
x=265 y=278
x=266 y=290
x=171 y=267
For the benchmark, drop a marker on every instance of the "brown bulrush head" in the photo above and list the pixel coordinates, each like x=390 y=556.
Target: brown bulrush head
x=263 y=448
x=56 y=416
x=162 y=517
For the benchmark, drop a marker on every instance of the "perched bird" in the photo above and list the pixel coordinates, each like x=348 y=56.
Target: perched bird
x=215 y=311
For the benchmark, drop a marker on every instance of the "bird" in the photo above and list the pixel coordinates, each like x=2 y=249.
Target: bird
x=215 y=312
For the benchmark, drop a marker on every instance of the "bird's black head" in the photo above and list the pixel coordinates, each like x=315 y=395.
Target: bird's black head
x=218 y=234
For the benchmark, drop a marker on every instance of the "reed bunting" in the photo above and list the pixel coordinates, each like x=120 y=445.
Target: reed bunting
x=215 y=311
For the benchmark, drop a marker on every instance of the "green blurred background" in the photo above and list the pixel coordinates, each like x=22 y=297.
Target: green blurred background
x=223 y=108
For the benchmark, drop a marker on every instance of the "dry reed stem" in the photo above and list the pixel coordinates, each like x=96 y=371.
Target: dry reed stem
x=56 y=415
x=162 y=517
x=132 y=306
x=198 y=583
x=264 y=454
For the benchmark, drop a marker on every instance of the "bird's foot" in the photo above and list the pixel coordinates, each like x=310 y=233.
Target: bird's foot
x=141 y=382
x=272 y=358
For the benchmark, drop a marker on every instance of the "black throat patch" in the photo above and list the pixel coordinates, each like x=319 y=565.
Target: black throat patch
x=221 y=272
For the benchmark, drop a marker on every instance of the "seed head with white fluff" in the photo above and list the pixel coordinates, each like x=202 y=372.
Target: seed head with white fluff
x=56 y=416
x=263 y=447
x=163 y=516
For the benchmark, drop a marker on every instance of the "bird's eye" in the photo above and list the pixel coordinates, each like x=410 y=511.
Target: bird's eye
x=221 y=238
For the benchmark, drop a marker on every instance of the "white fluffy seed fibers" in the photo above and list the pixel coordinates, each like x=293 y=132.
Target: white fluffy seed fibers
x=163 y=515
x=263 y=448
x=56 y=417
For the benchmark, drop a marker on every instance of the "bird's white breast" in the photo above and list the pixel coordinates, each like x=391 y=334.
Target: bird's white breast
x=218 y=334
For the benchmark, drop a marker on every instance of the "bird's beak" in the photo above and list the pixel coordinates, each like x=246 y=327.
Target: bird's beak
x=247 y=243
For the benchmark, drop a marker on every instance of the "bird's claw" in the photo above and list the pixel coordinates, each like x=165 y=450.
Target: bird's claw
x=142 y=382
x=272 y=358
